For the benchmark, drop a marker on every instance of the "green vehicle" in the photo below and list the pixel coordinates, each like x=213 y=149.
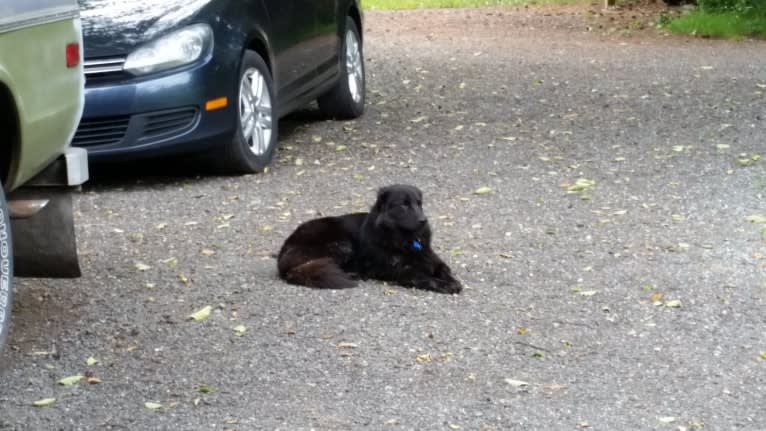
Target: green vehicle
x=41 y=100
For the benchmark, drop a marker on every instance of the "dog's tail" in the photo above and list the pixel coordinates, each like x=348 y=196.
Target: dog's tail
x=322 y=273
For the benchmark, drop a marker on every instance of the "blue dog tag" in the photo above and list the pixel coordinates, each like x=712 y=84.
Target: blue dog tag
x=417 y=245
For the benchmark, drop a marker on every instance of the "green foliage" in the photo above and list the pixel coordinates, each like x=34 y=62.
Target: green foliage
x=730 y=25
x=740 y=7
x=414 y=4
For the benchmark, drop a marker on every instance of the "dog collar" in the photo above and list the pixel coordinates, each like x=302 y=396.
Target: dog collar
x=417 y=245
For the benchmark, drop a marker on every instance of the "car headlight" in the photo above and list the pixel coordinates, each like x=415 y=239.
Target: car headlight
x=175 y=49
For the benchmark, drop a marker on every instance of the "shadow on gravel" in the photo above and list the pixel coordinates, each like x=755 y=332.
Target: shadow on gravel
x=168 y=171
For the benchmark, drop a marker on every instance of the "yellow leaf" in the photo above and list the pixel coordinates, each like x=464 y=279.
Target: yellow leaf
x=142 y=266
x=581 y=185
x=44 y=402
x=152 y=406
x=240 y=330
x=482 y=190
x=675 y=303
x=201 y=314
x=71 y=380
x=424 y=358
x=91 y=361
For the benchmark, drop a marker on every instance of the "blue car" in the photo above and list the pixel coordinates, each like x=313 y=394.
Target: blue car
x=213 y=77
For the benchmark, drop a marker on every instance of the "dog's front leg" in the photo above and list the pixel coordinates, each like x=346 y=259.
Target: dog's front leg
x=433 y=274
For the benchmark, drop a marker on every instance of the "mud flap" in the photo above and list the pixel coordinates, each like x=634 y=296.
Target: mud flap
x=44 y=244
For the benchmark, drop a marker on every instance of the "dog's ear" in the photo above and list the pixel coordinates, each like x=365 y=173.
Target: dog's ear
x=383 y=194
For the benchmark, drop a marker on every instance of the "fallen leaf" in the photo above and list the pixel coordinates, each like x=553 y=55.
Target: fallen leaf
x=205 y=389
x=201 y=314
x=588 y=292
x=666 y=419
x=516 y=383
x=424 y=358
x=482 y=190
x=418 y=119
x=44 y=402
x=171 y=262
x=93 y=380
x=581 y=185
x=522 y=330
x=91 y=361
x=71 y=380
x=346 y=345
x=152 y=405
x=722 y=147
x=207 y=252
x=656 y=297
x=454 y=426
x=756 y=218
x=675 y=303
x=763 y=356
x=341 y=148
x=142 y=266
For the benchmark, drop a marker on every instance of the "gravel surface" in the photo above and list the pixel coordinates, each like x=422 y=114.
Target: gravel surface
x=613 y=279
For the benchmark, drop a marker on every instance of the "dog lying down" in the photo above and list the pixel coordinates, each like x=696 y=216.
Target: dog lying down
x=392 y=243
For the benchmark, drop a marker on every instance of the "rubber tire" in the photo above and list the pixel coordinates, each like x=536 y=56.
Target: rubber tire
x=6 y=270
x=237 y=157
x=338 y=102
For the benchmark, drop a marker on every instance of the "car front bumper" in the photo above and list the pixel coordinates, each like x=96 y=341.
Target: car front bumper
x=128 y=118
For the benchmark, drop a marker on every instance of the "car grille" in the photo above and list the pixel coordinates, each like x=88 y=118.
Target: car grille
x=101 y=131
x=142 y=128
x=104 y=70
x=161 y=124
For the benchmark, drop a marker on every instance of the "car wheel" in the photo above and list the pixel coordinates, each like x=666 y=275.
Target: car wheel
x=346 y=99
x=6 y=270
x=254 y=142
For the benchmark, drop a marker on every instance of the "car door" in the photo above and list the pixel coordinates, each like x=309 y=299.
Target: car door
x=329 y=28
x=294 y=41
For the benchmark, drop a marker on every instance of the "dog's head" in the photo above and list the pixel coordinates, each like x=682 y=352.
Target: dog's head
x=399 y=208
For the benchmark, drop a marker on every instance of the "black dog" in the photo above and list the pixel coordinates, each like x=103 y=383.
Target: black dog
x=392 y=242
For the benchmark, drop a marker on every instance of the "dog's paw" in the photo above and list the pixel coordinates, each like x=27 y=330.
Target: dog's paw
x=452 y=287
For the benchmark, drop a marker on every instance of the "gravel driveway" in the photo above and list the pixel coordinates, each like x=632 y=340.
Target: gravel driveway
x=614 y=280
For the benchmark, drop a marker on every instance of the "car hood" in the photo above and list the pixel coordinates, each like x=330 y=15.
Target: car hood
x=115 y=27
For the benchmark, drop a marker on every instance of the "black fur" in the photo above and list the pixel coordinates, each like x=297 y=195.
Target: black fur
x=392 y=242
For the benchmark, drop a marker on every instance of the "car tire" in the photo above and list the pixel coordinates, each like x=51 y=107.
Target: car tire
x=6 y=270
x=346 y=99
x=255 y=139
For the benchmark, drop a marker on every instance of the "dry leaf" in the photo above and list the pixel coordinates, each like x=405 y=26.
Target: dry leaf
x=201 y=314
x=516 y=383
x=424 y=358
x=675 y=303
x=71 y=380
x=44 y=402
x=142 y=266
